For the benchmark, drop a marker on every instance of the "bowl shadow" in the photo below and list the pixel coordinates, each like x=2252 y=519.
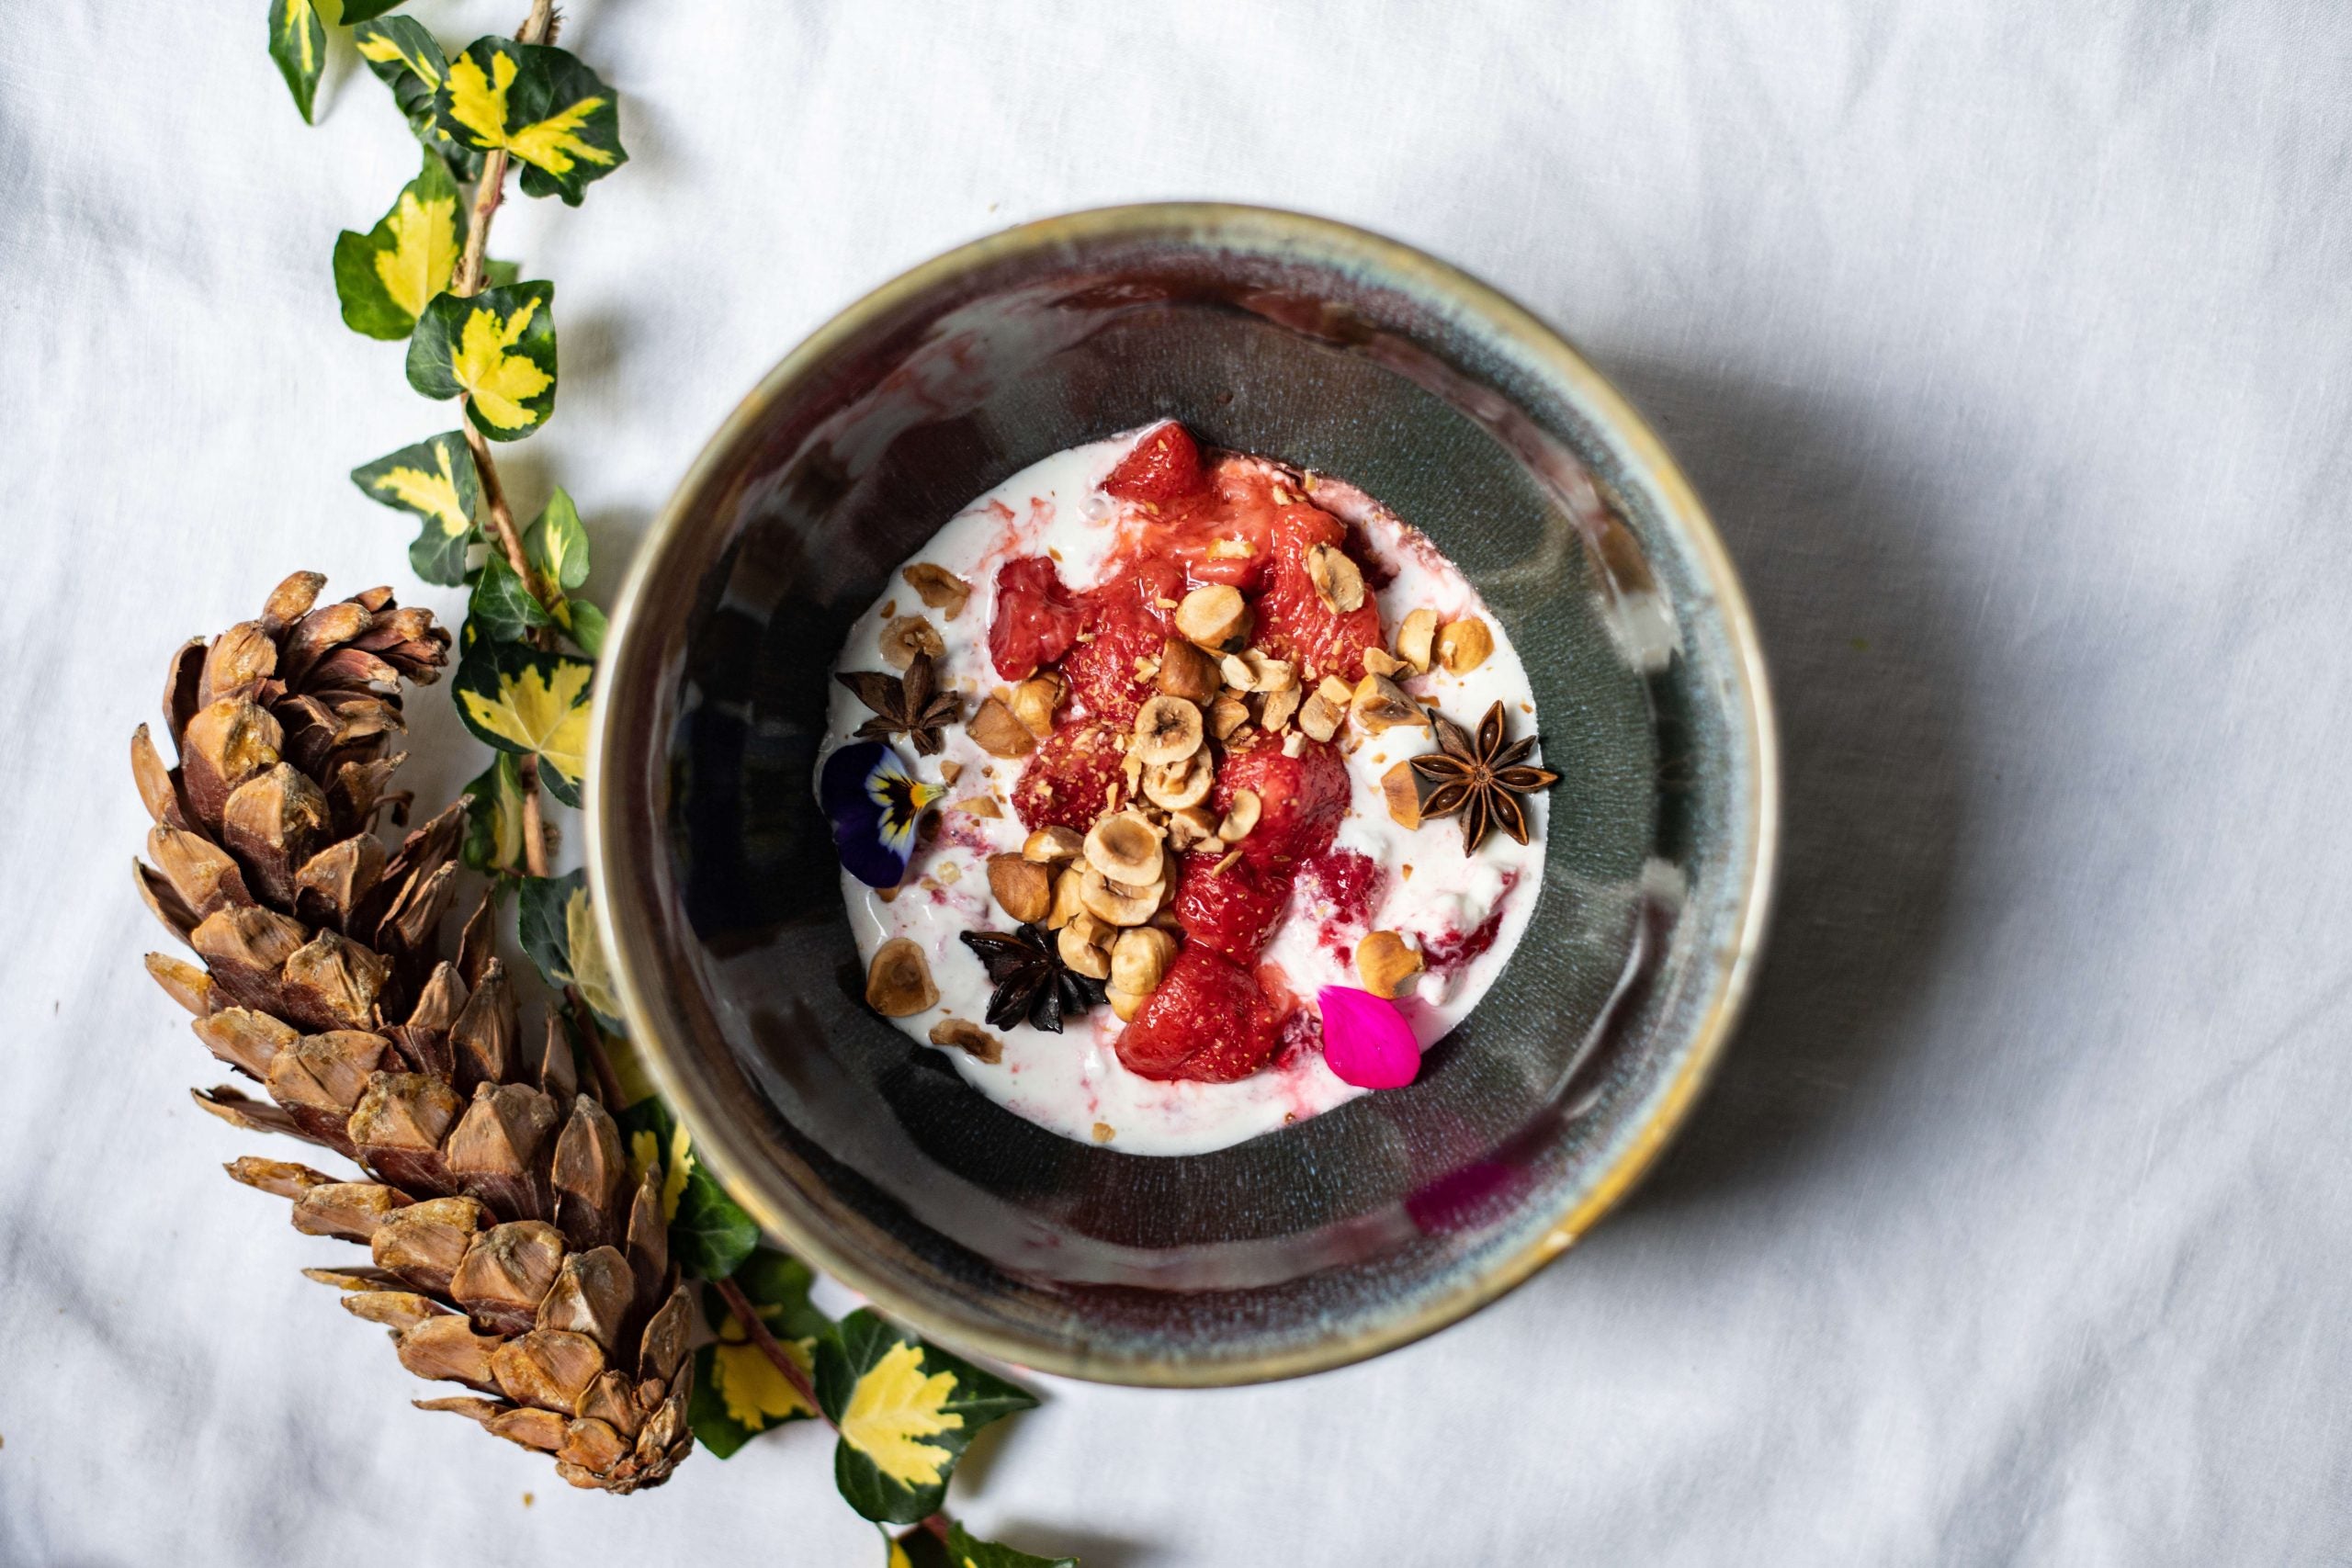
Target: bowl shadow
x=1839 y=553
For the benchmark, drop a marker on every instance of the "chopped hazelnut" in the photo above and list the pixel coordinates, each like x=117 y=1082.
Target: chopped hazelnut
x=1381 y=703
x=1240 y=816
x=1175 y=785
x=1338 y=580
x=1070 y=887
x=898 y=982
x=908 y=635
x=1033 y=702
x=1139 y=957
x=1319 y=718
x=1416 y=638
x=976 y=805
x=939 y=588
x=1378 y=661
x=965 y=1035
x=1052 y=844
x=996 y=731
x=1167 y=730
x=1213 y=617
x=1082 y=955
x=1227 y=715
x=1402 y=792
x=1386 y=963
x=1190 y=825
x=1185 y=671
x=1274 y=710
x=1023 y=887
x=1462 y=646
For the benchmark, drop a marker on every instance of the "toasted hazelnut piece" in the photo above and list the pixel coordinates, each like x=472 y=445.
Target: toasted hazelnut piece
x=1462 y=646
x=1033 y=702
x=1051 y=845
x=965 y=1035
x=1319 y=717
x=1214 y=616
x=1414 y=639
x=908 y=635
x=1386 y=963
x=1336 y=691
x=1095 y=932
x=898 y=983
x=1240 y=816
x=1124 y=848
x=1337 y=582
x=1167 y=730
x=1227 y=715
x=1125 y=1004
x=950 y=771
x=1175 y=785
x=1120 y=903
x=1379 y=661
x=1237 y=673
x=1402 y=793
x=1185 y=671
x=1294 y=743
x=938 y=587
x=1082 y=956
x=977 y=806
x=1190 y=827
x=1231 y=549
x=1023 y=887
x=996 y=731
x=1140 y=957
x=1381 y=703
x=1069 y=885
x=1275 y=708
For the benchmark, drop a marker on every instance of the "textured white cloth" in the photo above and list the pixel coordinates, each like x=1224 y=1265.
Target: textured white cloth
x=2011 y=343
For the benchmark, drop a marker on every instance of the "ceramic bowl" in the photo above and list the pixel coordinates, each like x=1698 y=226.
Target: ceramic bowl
x=1362 y=1228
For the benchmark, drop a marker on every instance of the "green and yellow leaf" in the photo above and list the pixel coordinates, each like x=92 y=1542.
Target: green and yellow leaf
x=905 y=1411
x=586 y=625
x=387 y=277
x=529 y=703
x=556 y=545
x=919 y=1548
x=737 y=1391
x=590 y=971
x=504 y=607
x=434 y=481
x=365 y=10
x=298 y=42
x=541 y=106
x=494 y=818
x=496 y=349
x=409 y=61
x=710 y=1235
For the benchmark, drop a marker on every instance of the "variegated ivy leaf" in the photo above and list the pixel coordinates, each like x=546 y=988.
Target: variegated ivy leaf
x=541 y=106
x=365 y=10
x=737 y=1392
x=529 y=703
x=558 y=926
x=494 y=818
x=387 y=277
x=297 y=41
x=435 y=481
x=919 y=1548
x=497 y=349
x=556 y=545
x=504 y=607
x=496 y=274
x=710 y=1235
x=409 y=61
x=906 y=1410
x=586 y=625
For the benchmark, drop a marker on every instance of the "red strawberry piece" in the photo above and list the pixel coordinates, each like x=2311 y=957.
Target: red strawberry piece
x=1234 y=910
x=1209 y=1020
x=1036 y=617
x=1164 y=465
x=1127 y=619
x=1067 y=780
x=1293 y=621
x=1300 y=799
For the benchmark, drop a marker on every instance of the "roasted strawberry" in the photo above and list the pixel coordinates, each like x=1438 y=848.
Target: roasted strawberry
x=1127 y=621
x=1164 y=465
x=1300 y=799
x=1294 y=622
x=1234 y=910
x=1036 y=617
x=1209 y=1020
x=1067 y=781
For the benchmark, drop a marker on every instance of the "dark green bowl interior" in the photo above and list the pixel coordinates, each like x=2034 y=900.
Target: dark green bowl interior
x=1356 y=1229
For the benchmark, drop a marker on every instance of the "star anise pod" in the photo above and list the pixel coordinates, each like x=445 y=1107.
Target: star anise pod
x=909 y=704
x=1033 y=984
x=1479 y=778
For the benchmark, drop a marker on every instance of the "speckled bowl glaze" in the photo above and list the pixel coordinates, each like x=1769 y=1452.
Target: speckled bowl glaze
x=1350 y=1234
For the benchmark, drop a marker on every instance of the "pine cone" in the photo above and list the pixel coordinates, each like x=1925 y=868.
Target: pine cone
x=508 y=1255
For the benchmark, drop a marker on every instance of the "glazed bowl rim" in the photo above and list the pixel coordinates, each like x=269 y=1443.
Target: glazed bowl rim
x=727 y=1150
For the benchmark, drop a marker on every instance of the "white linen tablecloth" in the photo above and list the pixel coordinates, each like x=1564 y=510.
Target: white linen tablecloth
x=2011 y=343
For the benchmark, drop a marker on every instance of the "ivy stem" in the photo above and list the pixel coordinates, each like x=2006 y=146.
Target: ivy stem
x=757 y=1329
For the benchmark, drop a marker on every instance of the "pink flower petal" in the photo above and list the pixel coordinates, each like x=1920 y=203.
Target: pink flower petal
x=1366 y=1041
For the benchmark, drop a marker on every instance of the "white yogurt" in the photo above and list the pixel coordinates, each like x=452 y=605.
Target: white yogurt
x=1073 y=1083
